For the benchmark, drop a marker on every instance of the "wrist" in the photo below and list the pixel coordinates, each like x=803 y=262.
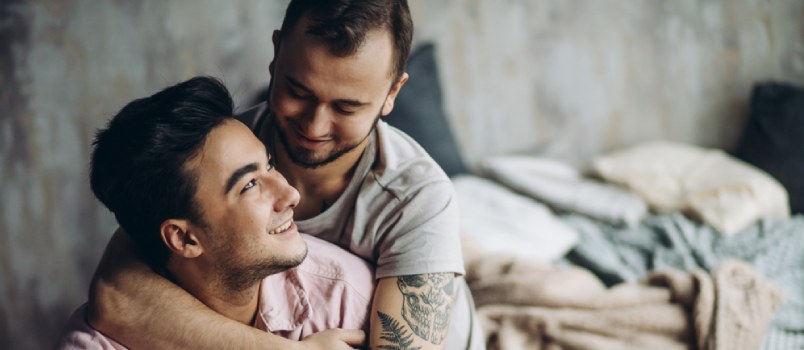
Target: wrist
x=293 y=345
x=267 y=340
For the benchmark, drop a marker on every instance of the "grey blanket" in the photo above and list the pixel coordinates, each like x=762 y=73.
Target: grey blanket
x=774 y=247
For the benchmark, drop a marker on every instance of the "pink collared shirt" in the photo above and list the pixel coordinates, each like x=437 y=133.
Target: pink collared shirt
x=332 y=288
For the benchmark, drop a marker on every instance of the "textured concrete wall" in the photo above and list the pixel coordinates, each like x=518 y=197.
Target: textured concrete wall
x=67 y=67
x=574 y=78
x=567 y=78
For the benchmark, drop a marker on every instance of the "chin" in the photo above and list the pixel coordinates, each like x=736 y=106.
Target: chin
x=290 y=253
x=300 y=254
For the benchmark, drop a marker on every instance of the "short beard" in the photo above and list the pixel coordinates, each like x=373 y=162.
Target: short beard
x=238 y=275
x=239 y=278
x=304 y=159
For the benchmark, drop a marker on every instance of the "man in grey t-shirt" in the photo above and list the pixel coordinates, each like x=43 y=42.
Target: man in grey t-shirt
x=338 y=67
x=399 y=212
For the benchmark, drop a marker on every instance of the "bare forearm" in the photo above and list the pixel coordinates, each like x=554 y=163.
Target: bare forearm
x=137 y=307
x=412 y=311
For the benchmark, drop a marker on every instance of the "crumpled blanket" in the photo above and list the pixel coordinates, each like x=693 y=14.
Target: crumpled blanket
x=534 y=305
x=775 y=248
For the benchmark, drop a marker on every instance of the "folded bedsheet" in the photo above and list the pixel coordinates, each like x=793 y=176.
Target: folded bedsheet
x=507 y=222
x=563 y=187
x=775 y=247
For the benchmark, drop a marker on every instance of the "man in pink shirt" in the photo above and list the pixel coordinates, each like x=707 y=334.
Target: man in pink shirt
x=198 y=196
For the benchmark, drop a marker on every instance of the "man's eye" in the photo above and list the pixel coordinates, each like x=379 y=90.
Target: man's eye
x=344 y=111
x=293 y=93
x=249 y=185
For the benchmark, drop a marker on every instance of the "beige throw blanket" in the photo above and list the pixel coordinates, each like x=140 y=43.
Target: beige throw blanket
x=531 y=305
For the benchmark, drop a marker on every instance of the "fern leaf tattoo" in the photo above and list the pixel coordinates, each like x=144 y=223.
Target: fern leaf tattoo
x=394 y=333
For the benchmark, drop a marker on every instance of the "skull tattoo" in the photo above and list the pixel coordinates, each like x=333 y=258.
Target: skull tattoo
x=426 y=304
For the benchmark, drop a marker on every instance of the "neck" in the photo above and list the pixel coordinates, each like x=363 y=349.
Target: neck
x=300 y=176
x=238 y=305
x=320 y=187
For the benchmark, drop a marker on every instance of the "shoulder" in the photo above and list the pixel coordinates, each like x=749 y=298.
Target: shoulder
x=331 y=265
x=404 y=168
x=79 y=335
x=331 y=288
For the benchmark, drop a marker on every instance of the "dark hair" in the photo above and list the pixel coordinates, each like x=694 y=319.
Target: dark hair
x=138 y=162
x=345 y=23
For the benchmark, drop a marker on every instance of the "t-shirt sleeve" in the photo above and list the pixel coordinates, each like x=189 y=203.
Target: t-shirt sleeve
x=421 y=234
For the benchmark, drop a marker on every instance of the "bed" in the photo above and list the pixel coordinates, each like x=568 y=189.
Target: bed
x=570 y=269
x=557 y=259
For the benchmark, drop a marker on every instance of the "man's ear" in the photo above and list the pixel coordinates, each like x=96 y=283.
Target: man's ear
x=276 y=37
x=388 y=106
x=178 y=238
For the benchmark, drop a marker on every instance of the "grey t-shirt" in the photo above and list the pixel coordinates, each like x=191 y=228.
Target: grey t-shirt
x=399 y=212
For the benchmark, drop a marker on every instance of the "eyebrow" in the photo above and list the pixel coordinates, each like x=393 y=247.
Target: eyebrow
x=238 y=174
x=299 y=85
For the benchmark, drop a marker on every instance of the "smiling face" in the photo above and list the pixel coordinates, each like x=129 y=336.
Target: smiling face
x=246 y=207
x=326 y=105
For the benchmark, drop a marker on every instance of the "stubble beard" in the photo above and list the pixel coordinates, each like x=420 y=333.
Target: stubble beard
x=308 y=159
x=238 y=276
x=236 y=273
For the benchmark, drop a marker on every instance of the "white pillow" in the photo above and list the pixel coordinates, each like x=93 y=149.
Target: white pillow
x=502 y=221
x=724 y=192
x=564 y=187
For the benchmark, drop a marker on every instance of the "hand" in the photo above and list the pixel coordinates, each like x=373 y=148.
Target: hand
x=335 y=339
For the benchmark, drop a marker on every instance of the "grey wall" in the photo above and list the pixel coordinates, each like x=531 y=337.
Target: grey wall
x=568 y=78
x=574 y=78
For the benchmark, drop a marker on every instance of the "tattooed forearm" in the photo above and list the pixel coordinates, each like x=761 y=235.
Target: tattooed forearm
x=394 y=333
x=426 y=304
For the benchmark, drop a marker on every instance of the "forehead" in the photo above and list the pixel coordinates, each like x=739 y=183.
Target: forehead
x=227 y=148
x=310 y=59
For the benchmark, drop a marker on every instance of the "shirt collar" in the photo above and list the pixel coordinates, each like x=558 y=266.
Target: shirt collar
x=284 y=304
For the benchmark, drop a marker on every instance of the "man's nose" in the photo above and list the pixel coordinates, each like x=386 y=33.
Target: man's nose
x=286 y=196
x=318 y=122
